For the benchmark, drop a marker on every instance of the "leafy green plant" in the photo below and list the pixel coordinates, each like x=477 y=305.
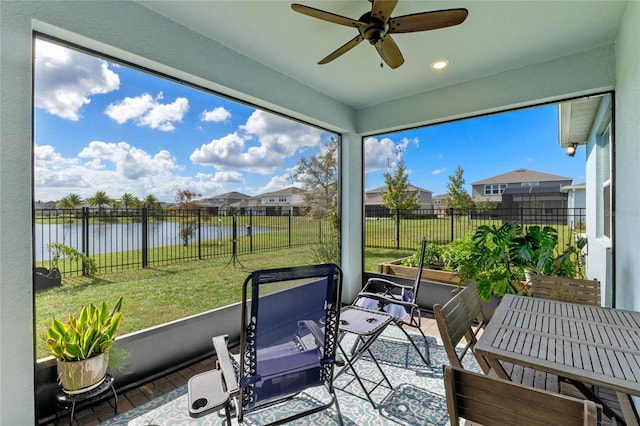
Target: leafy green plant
x=432 y=257
x=60 y=250
x=535 y=249
x=87 y=335
x=490 y=264
x=501 y=254
x=457 y=252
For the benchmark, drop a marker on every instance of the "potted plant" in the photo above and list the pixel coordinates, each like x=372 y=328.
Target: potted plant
x=491 y=264
x=537 y=252
x=82 y=346
x=47 y=278
x=534 y=250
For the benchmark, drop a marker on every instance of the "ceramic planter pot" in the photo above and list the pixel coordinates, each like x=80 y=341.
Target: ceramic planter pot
x=82 y=376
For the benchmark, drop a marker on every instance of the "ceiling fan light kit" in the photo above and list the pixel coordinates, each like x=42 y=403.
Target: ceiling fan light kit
x=377 y=26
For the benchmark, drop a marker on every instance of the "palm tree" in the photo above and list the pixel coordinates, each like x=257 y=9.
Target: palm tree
x=70 y=201
x=100 y=198
x=128 y=200
x=150 y=200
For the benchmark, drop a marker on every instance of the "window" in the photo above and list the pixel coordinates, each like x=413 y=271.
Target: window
x=495 y=189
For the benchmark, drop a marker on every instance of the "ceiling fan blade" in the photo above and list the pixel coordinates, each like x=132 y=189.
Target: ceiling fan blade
x=427 y=21
x=390 y=52
x=341 y=50
x=382 y=9
x=325 y=16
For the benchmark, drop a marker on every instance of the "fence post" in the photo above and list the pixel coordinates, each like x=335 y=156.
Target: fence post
x=522 y=216
x=199 y=235
x=398 y=229
x=289 y=228
x=145 y=237
x=85 y=236
x=452 y=212
x=250 y=231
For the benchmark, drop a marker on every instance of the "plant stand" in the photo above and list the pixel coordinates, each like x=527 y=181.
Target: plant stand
x=66 y=401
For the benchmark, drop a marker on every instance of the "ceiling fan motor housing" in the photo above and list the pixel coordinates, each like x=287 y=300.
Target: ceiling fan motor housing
x=375 y=29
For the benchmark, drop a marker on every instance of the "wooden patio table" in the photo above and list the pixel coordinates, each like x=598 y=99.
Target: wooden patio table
x=584 y=344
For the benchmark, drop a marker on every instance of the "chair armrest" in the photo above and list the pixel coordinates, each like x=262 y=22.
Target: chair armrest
x=224 y=360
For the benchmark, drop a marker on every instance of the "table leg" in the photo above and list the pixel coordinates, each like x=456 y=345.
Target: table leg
x=629 y=411
x=115 y=400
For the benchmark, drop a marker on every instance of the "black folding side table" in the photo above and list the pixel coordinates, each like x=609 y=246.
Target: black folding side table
x=367 y=325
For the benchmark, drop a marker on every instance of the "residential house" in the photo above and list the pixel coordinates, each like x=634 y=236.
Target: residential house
x=287 y=201
x=227 y=47
x=215 y=205
x=374 y=205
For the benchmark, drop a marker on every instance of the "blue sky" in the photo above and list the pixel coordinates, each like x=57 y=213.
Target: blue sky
x=101 y=126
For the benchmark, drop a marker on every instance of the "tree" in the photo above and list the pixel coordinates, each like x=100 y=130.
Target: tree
x=100 y=199
x=184 y=201
x=458 y=198
x=150 y=201
x=399 y=197
x=70 y=201
x=318 y=175
x=128 y=200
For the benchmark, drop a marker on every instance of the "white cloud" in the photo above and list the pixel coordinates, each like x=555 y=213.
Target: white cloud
x=275 y=183
x=147 y=111
x=379 y=154
x=277 y=139
x=405 y=142
x=216 y=115
x=438 y=171
x=131 y=162
x=66 y=79
x=117 y=168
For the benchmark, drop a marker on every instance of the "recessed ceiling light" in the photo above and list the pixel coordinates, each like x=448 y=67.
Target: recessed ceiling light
x=439 y=64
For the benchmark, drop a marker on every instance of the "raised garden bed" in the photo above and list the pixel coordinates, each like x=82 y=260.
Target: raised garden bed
x=395 y=267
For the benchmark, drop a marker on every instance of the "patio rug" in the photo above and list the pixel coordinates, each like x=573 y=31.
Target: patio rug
x=416 y=399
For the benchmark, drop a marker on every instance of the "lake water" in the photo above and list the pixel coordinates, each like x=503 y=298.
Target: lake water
x=117 y=237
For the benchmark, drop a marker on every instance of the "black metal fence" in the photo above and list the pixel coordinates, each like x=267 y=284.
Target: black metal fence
x=404 y=230
x=120 y=239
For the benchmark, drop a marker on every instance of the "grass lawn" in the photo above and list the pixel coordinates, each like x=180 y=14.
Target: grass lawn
x=160 y=294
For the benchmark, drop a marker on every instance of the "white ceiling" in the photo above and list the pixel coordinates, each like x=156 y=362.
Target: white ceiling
x=497 y=36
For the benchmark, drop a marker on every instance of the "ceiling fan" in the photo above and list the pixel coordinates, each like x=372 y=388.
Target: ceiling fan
x=377 y=26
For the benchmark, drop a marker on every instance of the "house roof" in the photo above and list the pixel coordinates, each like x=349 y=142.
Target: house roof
x=232 y=194
x=521 y=175
x=385 y=188
x=291 y=190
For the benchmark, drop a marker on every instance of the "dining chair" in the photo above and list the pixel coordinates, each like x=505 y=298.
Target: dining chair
x=493 y=401
x=573 y=290
x=461 y=317
x=288 y=341
x=399 y=300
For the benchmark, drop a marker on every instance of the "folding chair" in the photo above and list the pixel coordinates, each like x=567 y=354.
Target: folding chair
x=492 y=401
x=398 y=300
x=457 y=318
x=288 y=341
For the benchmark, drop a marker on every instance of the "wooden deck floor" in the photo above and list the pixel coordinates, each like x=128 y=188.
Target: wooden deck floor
x=127 y=400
